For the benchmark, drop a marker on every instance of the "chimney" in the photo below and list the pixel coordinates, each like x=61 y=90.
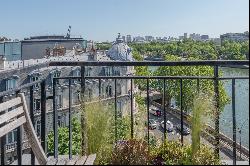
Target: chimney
x=2 y=62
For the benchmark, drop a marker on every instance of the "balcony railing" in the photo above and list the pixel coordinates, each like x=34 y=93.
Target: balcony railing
x=215 y=78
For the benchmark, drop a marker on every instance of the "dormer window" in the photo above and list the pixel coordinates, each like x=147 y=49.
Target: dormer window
x=108 y=71
x=33 y=79
x=54 y=74
x=116 y=71
x=77 y=73
x=88 y=71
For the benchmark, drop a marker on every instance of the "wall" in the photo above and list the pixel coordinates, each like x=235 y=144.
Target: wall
x=37 y=49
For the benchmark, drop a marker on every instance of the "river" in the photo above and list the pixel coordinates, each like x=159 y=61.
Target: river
x=242 y=105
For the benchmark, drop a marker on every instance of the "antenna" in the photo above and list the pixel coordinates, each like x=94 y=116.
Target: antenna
x=68 y=34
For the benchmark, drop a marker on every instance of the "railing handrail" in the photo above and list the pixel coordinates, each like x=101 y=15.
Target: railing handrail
x=151 y=63
x=152 y=77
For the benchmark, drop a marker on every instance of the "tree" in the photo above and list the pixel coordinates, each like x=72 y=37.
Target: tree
x=140 y=70
x=189 y=86
x=245 y=49
x=233 y=51
x=63 y=139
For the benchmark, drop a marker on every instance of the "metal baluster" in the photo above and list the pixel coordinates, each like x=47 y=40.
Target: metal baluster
x=3 y=144
x=55 y=119
x=148 y=109
x=99 y=80
x=164 y=107
x=43 y=116
x=84 y=145
x=234 y=122
x=198 y=85
x=32 y=118
x=181 y=103
x=19 y=141
x=70 y=127
x=132 y=114
x=217 y=115
x=115 y=112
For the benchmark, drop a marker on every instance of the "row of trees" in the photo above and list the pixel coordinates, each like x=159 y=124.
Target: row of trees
x=228 y=50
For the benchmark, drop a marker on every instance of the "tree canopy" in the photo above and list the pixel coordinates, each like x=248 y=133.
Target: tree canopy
x=229 y=50
x=193 y=51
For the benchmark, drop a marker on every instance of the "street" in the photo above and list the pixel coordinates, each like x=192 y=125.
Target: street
x=175 y=135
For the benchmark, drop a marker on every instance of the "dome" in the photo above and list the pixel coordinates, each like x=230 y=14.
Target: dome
x=120 y=51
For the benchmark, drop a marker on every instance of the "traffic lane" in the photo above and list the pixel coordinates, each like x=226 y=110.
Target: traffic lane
x=159 y=131
x=176 y=134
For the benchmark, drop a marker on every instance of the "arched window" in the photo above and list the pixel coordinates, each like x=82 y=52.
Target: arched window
x=119 y=89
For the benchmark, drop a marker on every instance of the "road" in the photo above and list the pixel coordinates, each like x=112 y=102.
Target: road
x=175 y=135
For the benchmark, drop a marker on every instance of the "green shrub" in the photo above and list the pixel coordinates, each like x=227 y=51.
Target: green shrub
x=173 y=153
x=131 y=152
x=63 y=139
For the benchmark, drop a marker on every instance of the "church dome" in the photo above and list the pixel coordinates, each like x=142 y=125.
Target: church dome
x=120 y=51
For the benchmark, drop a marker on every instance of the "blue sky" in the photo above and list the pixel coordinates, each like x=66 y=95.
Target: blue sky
x=103 y=19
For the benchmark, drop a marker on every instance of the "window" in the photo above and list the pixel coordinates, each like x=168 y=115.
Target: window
x=59 y=101
x=38 y=127
x=119 y=108
x=78 y=93
x=119 y=89
x=61 y=121
x=10 y=84
x=37 y=105
x=33 y=79
x=116 y=71
x=55 y=74
x=109 y=91
x=88 y=71
x=108 y=71
x=77 y=73
x=12 y=136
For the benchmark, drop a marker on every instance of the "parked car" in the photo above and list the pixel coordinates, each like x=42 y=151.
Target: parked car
x=169 y=126
x=152 y=124
x=155 y=111
x=186 y=130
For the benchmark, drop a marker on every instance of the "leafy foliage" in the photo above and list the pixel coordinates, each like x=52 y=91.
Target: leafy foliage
x=234 y=50
x=229 y=50
x=189 y=86
x=103 y=46
x=173 y=153
x=63 y=139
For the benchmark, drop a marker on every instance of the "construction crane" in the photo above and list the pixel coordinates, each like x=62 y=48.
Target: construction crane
x=68 y=34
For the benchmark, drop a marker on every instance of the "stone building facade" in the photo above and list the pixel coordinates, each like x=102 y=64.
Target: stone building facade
x=10 y=79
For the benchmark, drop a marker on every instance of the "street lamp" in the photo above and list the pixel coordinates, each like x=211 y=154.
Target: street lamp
x=239 y=130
